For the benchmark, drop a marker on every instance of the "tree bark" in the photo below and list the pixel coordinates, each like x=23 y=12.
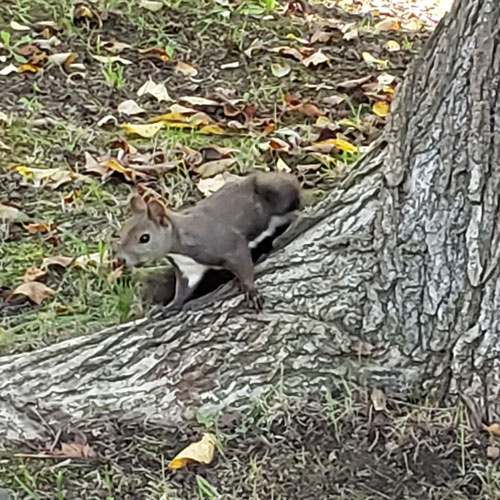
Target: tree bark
x=392 y=280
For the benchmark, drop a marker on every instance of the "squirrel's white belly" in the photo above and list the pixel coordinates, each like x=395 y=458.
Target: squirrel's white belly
x=193 y=271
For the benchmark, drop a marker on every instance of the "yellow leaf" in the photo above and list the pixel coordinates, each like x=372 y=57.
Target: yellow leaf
x=492 y=429
x=202 y=452
x=212 y=130
x=381 y=108
x=27 y=68
x=322 y=121
x=115 y=165
x=145 y=130
x=25 y=171
x=344 y=145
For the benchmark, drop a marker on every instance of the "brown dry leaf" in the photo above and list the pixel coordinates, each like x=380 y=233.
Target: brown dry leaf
x=492 y=429
x=387 y=25
x=82 y=12
x=185 y=69
x=379 y=400
x=493 y=452
x=191 y=157
x=155 y=52
x=58 y=260
x=321 y=36
x=288 y=51
x=35 y=291
x=211 y=153
x=392 y=46
x=72 y=196
x=147 y=130
x=42 y=227
x=328 y=145
x=76 y=450
x=157 y=90
x=33 y=274
x=381 y=108
x=202 y=452
x=315 y=59
x=130 y=107
x=212 y=130
x=211 y=168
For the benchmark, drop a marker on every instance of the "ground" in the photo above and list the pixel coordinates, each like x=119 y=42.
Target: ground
x=285 y=85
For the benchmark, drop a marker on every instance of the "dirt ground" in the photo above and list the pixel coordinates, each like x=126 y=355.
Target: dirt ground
x=249 y=85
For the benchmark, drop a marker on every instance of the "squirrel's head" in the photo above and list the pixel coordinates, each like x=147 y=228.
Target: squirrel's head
x=147 y=235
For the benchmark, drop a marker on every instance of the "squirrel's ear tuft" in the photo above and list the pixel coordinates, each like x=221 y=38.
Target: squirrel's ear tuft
x=138 y=205
x=157 y=212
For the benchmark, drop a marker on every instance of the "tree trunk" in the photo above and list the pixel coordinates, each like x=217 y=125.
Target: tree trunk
x=392 y=281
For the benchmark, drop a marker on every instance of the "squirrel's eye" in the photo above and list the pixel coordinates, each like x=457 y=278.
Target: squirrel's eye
x=144 y=238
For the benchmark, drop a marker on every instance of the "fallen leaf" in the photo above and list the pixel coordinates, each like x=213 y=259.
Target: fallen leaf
x=381 y=108
x=130 y=107
x=211 y=168
x=411 y=25
x=202 y=452
x=280 y=70
x=372 y=61
x=493 y=452
x=323 y=121
x=33 y=274
x=212 y=130
x=76 y=450
x=344 y=145
x=392 y=46
x=387 y=25
x=115 y=274
x=155 y=52
x=315 y=59
x=333 y=100
x=111 y=59
x=288 y=51
x=198 y=101
x=351 y=34
x=492 y=429
x=144 y=130
x=385 y=79
x=58 y=260
x=27 y=68
x=282 y=166
x=19 y=27
x=52 y=177
x=41 y=227
x=93 y=259
x=157 y=90
x=11 y=213
x=379 y=400
x=209 y=186
x=81 y=11
x=115 y=47
x=35 y=291
x=350 y=84
x=185 y=69
x=7 y=70
x=151 y=5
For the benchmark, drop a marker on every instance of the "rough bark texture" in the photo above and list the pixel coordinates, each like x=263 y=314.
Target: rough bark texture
x=393 y=279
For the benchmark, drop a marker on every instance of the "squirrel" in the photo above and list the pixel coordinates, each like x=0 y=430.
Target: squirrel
x=219 y=232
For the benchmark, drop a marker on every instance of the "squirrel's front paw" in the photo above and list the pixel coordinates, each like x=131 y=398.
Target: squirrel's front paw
x=254 y=300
